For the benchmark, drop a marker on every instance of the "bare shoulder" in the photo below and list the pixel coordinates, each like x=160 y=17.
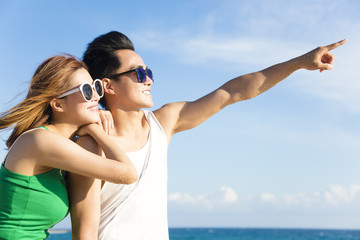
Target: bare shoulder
x=46 y=142
x=33 y=146
x=168 y=116
x=37 y=139
x=169 y=111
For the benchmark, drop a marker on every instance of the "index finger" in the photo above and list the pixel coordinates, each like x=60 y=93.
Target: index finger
x=337 y=44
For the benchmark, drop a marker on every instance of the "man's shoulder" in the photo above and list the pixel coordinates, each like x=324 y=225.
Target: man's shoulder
x=169 y=109
x=88 y=143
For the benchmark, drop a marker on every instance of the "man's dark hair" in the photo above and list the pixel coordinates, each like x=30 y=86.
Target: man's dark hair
x=100 y=56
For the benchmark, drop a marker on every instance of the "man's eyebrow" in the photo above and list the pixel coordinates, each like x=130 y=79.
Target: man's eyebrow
x=136 y=66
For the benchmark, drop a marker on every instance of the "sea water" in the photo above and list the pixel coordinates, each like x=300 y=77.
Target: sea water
x=248 y=234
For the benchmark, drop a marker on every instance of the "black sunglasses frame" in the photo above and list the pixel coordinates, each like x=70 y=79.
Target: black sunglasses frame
x=145 y=72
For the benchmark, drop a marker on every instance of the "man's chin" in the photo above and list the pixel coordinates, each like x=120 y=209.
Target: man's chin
x=149 y=105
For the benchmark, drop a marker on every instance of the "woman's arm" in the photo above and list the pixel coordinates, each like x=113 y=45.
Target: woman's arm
x=47 y=149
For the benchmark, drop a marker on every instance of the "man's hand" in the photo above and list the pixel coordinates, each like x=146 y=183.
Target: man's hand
x=107 y=121
x=320 y=58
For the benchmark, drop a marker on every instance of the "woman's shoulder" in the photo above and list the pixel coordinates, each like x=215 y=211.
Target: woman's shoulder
x=35 y=134
x=35 y=139
x=29 y=146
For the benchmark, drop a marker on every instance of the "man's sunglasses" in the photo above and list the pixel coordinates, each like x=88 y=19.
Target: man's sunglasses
x=140 y=72
x=87 y=90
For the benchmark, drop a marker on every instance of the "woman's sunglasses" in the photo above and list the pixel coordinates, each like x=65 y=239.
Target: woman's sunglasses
x=140 y=72
x=86 y=90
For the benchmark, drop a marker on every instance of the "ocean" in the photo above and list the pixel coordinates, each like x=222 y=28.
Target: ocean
x=247 y=234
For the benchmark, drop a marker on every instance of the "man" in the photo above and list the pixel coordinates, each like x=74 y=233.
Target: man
x=139 y=211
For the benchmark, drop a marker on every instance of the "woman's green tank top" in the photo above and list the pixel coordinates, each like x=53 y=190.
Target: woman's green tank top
x=30 y=205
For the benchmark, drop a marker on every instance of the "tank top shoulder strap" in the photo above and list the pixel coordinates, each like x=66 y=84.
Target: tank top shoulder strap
x=150 y=116
x=30 y=130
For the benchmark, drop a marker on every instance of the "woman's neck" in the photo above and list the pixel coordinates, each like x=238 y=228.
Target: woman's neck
x=64 y=129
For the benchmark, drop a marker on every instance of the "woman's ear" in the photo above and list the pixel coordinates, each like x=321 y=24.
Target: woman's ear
x=57 y=105
x=108 y=86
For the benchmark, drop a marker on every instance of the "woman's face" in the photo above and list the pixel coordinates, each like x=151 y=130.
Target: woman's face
x=79 y=111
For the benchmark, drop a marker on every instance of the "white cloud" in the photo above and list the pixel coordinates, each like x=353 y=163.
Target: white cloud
x=230 y=196
x=267 y=197
x=335 y=196
x=335 y=206
x=227 y=52
x=234 y=51
x=175 y=196
x=338 y=194
x=225 y=195
x=187 y=199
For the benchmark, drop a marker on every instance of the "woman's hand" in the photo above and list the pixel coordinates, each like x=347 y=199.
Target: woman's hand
x=106 y=124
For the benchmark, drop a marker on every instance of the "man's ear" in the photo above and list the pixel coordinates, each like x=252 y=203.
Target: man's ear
x=108 y=86
x=57 y=105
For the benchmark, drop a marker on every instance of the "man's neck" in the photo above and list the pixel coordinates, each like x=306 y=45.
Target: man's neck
x=131 y=129
x=128 y=122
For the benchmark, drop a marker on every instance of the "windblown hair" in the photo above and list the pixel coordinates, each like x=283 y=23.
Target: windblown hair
x=100 y=56
x=50 y=80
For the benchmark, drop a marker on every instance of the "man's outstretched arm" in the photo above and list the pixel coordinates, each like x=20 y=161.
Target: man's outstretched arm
x=181 y=116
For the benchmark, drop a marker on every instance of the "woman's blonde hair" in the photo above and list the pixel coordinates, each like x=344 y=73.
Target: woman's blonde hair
x=50 y=80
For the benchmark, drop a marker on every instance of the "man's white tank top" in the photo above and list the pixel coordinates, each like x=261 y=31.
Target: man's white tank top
x=139 y=210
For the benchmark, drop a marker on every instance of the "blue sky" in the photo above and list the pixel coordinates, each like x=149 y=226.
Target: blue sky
x=287 y=158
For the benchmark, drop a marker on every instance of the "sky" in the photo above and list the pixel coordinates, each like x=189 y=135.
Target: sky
x=288 y=158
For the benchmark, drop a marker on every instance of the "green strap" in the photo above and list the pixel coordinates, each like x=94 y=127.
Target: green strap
x=44 y=127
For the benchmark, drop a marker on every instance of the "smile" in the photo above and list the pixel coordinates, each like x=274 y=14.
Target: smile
x=93 y=108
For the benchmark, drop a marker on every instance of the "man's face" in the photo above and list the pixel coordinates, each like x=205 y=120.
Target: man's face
x=132 y=94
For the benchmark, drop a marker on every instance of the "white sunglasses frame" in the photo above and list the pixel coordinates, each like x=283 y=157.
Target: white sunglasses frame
x=79 y=88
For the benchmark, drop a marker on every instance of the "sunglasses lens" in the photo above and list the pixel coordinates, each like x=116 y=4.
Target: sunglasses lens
x=87 y=92
x=99 y=88
x=141 y=75
x=149 y=73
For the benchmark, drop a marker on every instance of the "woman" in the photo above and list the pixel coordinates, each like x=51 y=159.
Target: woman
x=61 y=102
